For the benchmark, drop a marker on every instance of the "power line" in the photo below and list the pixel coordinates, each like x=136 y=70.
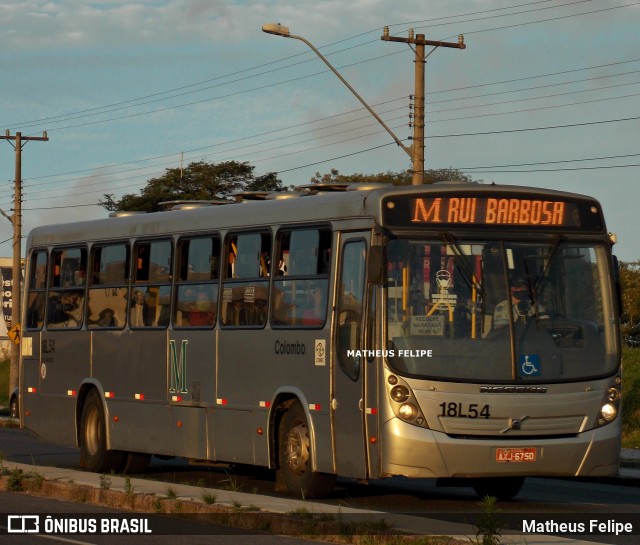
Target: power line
x=79 y=115
x=555 y=162
x=480 y=133
x=202 y=148
x=94 y=111
x=506 y=131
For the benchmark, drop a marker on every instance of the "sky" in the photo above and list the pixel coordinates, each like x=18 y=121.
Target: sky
x=546 y=94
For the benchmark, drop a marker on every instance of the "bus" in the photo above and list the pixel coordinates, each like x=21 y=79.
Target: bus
x=467 y=333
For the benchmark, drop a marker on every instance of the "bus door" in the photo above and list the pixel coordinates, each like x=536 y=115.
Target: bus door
x=348 y=363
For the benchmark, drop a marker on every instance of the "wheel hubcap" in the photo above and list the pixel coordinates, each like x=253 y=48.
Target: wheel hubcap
x=298 y=448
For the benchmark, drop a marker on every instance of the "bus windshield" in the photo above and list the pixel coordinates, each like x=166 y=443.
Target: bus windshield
x=499 y=311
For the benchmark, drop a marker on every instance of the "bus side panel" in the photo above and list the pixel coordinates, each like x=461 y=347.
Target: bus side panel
x=67 y=362
x=64 y=363
x=188 y=432
x=48 y=416
x=234 y=421
x=250 y=374
x=30 y=380
x=132 y=367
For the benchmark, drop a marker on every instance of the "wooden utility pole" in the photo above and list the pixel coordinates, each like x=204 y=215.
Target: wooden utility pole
x=417 y=147
x=16 y=220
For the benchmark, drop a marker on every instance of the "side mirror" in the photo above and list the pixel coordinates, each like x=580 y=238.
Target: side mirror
x=617 y=284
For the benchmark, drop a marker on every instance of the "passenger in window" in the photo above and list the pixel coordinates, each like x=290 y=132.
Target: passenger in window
x=281 y=314
x=265 y=264
x=35 y=311
x=65 y=310
x=521 y=304
x=202 y=312
x=80 y=275
x=282 y=268
x=315 y=313
x=106 y=318
x=140 y=310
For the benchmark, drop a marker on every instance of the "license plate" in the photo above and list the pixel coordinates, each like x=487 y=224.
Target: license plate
x=516 y=454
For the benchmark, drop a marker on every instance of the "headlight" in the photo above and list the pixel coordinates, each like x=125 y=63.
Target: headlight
x=408 y=411
x=399 y=394
x=608 y=412
x=613 y=394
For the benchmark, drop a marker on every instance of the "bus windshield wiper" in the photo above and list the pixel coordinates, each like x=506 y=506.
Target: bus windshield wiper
x=536 y=287
x=463 y=265
x=553 y=251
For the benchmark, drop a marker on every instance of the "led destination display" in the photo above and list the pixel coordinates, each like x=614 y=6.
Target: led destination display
x=532 y=212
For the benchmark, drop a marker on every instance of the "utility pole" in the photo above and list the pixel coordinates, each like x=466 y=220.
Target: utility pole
x=417 y=147
x=16 y=220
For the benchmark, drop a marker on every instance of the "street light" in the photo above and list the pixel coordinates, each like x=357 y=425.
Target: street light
x=280 y=30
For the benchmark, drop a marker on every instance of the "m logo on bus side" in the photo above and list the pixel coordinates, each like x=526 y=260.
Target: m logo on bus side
x=178 y=370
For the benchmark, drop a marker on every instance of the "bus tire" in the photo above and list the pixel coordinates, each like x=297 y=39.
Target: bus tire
x=502 y=488
x=295 y=455
x=13 y=408
x=94 y=455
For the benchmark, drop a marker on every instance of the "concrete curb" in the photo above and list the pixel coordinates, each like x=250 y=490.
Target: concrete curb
x=234 y=509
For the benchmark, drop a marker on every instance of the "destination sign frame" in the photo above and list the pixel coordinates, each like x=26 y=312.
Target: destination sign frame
x=536 y=211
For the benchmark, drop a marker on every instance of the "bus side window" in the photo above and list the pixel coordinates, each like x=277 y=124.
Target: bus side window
x=36 y=295
x=150 y=296
x=350 y=300
x=65 y=305
x=196 y=297
x=107 y=303
x=245 y=294
x=301 y=289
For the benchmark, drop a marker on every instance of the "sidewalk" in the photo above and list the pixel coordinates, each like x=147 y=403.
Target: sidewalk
x=630 y=458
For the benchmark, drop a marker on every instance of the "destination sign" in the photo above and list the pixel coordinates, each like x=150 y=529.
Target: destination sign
x=536 y=212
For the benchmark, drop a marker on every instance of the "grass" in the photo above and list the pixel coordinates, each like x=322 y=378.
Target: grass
x=631 y=398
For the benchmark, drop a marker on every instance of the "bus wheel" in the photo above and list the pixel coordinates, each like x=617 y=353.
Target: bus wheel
x=94 y=455
x=13 y=408
x=502 y=488
x=296 y=457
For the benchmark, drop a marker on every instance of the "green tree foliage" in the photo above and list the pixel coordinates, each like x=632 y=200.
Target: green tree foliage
x=630 y=282
x=395 y=178
x=198 y=181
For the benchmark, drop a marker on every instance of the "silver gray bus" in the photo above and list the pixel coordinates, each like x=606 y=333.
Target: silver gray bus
x=461 y=332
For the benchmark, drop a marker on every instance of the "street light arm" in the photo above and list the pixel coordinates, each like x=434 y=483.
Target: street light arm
x=280 y=30
x=355 y=93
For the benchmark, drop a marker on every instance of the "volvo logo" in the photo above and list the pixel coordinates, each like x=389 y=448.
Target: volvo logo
x=514 y=424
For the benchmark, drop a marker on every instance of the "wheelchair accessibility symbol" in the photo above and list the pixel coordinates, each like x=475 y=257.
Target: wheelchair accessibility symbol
x=529 y=365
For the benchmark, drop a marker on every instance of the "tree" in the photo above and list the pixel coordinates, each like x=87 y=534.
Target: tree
x=630 y=284
x=199 y=181
x=395 y=178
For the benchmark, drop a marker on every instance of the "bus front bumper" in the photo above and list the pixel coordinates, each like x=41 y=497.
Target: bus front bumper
x=417 y=452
